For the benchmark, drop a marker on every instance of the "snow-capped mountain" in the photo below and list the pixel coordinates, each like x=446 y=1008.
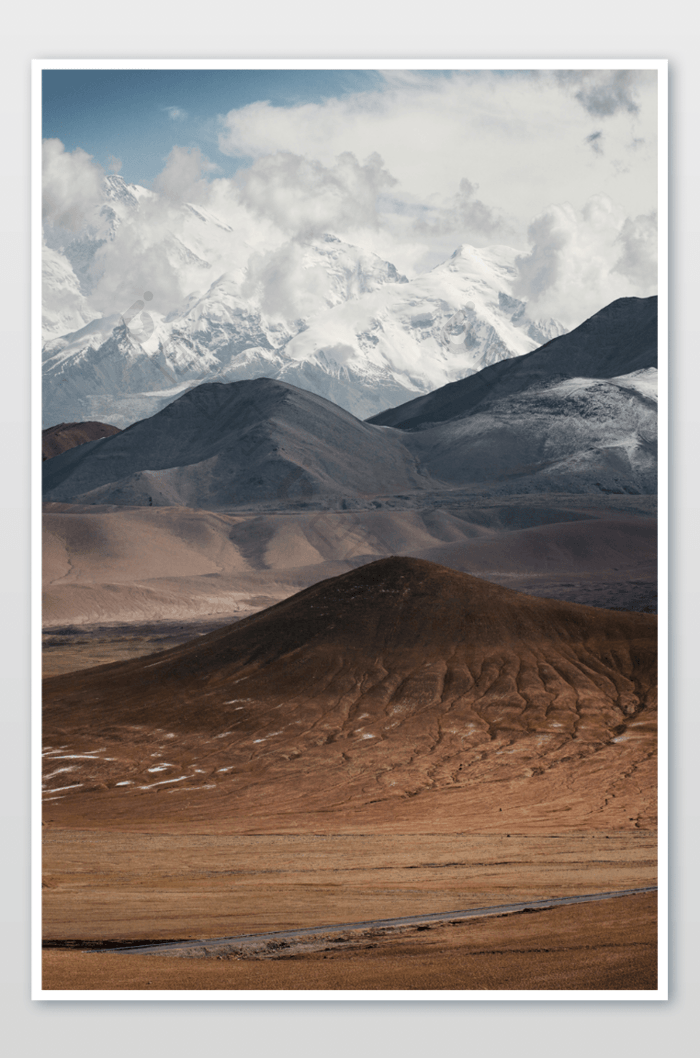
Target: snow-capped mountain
x=77 y=250
x=558 y=420
x=64 y=306
x=450 y=322
x=577 y=415
x=321 y=314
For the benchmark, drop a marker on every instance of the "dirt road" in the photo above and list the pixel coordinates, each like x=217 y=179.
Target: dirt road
x=207 y=947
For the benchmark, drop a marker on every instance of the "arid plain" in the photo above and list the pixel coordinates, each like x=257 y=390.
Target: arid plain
x=399 y=739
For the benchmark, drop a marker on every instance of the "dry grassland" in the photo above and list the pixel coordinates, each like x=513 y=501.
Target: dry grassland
x=128 y=886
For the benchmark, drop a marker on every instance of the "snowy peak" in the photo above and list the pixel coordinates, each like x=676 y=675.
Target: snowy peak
x=118 y=191
x=420 y=334
x=321 y=314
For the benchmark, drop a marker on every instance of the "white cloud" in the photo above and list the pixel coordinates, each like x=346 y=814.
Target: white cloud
x=143 y=256
x=409 y=170
x=580 y=261
x=176 y=113
x=304 y=197
x=519 y=136
x=183 y=176
x=639 y=259
x=72 y=186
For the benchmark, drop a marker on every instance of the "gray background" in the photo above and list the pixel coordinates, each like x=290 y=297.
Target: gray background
x=371 y=29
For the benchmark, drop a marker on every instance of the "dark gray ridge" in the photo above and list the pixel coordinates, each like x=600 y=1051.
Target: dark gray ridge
x=621 y=338
x=221 y=444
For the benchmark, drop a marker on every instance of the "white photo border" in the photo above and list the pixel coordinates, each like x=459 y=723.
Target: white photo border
x=661 y=67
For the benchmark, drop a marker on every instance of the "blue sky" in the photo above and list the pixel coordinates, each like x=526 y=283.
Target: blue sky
x=137 y=116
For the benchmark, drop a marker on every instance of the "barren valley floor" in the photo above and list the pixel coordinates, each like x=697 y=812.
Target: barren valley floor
x=607 y=945
x=120 y=886
x=200 y=856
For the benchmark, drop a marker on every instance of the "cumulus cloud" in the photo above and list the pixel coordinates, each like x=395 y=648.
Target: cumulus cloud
x=305 y=198
x=582 y=260
x=638 y=240
x=141 y=257
x=72 y=186
x=465 y=217
x=606 y=92
x=497 y=128
x=176 y=113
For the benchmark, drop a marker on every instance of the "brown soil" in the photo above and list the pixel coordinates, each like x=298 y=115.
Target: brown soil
x=66 y=435
x=402 y=696
x=125 y=886
x=606 y=945
x=398 y=740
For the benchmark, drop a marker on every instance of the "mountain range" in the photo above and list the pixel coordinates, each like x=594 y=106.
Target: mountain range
x=319 y=314
x=576 y=415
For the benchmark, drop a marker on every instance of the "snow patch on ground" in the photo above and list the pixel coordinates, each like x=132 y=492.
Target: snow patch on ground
x=162 y=782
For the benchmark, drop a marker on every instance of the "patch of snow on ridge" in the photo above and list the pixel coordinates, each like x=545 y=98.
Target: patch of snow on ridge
x=644 y=382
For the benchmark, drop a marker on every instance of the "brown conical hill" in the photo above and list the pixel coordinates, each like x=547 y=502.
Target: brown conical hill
x=400 y=678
